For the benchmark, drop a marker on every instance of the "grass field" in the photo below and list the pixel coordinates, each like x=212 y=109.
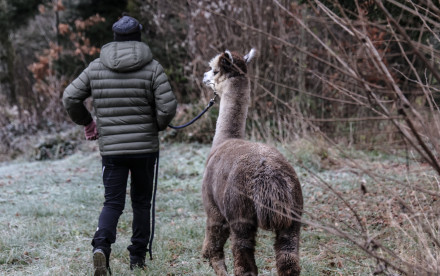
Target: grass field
x=50 y=211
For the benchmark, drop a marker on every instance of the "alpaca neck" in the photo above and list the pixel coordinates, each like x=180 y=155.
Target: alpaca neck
x=231 y=122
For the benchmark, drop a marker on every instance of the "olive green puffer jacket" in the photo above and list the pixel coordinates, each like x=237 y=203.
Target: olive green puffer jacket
x=132 y=98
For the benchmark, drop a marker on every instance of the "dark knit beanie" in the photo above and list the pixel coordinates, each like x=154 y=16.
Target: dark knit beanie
x=127 y=29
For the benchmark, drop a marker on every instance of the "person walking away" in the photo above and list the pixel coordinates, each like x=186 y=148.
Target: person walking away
x=133 y=101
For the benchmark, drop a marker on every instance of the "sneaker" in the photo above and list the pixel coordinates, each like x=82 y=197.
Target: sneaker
x=100 y=263
x=137 y=262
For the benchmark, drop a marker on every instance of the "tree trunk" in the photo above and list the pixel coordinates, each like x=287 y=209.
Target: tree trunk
x=7 y=76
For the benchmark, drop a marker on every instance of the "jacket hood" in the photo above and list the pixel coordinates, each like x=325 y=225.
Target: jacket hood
x=125 y=56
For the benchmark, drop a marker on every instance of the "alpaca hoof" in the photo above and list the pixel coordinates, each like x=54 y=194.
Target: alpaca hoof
x=247 y=273
x=288 y=265
x=219 y=266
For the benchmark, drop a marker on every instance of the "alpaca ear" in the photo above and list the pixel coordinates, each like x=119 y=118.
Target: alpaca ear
x=247 y=58
x=227 y=52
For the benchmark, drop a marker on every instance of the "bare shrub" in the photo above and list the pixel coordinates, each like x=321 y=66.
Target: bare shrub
x=385 y=73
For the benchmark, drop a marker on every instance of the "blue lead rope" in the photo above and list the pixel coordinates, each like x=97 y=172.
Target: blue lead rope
x=211 y=103
x=153 y=213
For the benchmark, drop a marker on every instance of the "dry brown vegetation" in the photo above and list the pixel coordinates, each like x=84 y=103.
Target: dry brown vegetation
x=336 y=74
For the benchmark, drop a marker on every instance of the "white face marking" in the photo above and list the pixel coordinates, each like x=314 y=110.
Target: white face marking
x=210 y=78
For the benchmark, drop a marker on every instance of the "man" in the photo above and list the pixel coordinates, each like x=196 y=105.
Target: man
x=132 y=100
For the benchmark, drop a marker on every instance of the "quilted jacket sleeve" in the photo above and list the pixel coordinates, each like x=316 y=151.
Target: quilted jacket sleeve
x=73 y=98
x=165 y=100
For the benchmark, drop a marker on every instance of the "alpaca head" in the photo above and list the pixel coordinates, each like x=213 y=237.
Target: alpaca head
x=225 y=66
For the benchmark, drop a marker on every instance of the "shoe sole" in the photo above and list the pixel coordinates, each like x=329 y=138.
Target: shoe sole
x=99 y=264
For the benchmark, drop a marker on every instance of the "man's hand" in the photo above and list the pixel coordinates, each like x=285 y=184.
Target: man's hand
x=90 y=131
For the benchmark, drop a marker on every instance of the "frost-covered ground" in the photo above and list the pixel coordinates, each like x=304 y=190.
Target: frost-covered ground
x=49 y=211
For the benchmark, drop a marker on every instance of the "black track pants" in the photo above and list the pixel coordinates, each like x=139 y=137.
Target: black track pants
x=115 y=172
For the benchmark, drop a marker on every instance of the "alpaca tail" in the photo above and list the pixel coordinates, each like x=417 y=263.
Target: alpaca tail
x=274 y=200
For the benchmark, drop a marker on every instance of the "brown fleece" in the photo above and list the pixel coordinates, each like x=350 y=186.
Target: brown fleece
x=247 y=185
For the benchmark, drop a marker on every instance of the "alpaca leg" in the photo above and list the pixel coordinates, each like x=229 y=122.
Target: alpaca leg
x=243 y=248
x=216 y=234
x=287 y=250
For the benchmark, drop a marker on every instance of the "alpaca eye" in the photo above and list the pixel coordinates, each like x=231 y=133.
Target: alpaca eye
x=215 y=72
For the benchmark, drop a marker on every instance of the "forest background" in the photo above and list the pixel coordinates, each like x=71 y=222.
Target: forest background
x=331 y=77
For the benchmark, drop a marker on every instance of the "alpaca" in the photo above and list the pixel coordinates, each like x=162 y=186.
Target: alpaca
x=246 y=185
